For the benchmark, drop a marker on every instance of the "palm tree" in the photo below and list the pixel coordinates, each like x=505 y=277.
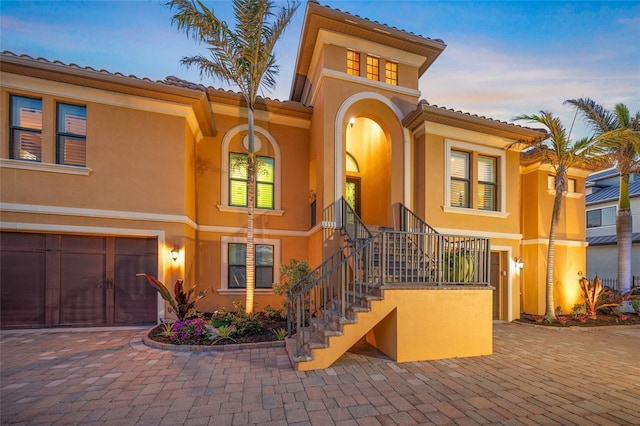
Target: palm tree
x=241 y=56
x=558 y=151
x=619 y=134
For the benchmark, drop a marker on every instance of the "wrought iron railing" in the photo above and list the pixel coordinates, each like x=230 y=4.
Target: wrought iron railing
x=340 y=283
x=408 y=221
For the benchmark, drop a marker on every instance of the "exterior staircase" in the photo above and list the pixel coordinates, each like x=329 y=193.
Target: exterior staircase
x=344 y=298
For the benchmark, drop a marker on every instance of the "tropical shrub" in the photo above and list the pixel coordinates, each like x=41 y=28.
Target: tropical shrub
x=182 y=303
x=459 y=266
x=297 y=271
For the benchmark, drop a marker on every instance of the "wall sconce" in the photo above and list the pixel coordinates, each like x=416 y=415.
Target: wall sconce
x=352 y=121
x=519 y=263
x=175 y=252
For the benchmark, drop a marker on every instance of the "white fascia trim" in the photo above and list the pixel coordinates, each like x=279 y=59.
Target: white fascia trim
x=99 y=96
x=259 y=115
x=545 y=241
x=6 y=163
x=362 y=81
x=108 y=214
x=269 y=232
x=482 y=234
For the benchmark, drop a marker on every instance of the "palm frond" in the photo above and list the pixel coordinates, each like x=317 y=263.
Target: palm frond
x=595 y=115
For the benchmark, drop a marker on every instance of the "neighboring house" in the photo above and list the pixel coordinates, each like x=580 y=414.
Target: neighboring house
x=603 y=190
x=104 y=176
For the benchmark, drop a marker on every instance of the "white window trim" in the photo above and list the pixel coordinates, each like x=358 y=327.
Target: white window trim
x=483 y=150
x=224 y=271
x=224 y=181
x=37 y=166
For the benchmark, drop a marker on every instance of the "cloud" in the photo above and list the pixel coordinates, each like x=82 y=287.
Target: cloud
x=486 y=81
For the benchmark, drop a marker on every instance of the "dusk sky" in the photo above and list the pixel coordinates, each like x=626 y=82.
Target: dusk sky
x=502 y=59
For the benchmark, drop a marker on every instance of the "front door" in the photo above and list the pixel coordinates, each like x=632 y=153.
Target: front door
x=496 y=283
x=353 y=193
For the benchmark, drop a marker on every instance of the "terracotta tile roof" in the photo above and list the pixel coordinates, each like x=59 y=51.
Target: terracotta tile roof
x=408 y=33
x=78 y=67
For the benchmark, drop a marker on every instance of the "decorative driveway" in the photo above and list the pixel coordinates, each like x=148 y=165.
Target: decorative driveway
x=536 y=376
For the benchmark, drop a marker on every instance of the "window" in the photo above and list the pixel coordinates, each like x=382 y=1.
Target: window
x=373 y=68
x=460 y=181
x=238 y=181
x=551 y=184
x=25 y=129
x=353 y=62
x=238 y=265
x=391 y=73
x=601 y=217
x=72 y=135
x=487 y=183
x=473 y=181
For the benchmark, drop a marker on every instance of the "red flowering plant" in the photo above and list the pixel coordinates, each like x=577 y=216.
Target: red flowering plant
x=183 y=304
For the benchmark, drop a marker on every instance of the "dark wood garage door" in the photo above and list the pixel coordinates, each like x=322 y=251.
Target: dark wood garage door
x=73 y=280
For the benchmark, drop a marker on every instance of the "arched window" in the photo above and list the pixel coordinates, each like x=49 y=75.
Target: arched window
x=234 y=177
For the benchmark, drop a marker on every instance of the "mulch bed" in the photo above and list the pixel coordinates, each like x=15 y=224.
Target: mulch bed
x=602 y=320
x=266 y=335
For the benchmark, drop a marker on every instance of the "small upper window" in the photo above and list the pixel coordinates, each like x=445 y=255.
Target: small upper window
x=373 y=68
x=353 y=62
x=72 y=135
x=239 y=179
x=25 y=133
x=391 y=73
x=571 y=184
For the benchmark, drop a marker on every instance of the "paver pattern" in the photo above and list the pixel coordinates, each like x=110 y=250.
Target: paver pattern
x=108 y=377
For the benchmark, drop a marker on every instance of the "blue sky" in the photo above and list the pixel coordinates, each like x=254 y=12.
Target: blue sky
x=503 y=58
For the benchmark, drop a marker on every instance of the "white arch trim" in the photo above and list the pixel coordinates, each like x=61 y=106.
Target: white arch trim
x=339 y=143
x=224 y=160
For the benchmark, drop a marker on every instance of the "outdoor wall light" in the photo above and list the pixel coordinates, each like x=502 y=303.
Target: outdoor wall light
x=352 y=121
x=519 y=263
x=175 y=252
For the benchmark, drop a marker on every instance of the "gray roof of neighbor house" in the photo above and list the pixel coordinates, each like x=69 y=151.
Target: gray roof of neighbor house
x=610 y=239
x=611 y=192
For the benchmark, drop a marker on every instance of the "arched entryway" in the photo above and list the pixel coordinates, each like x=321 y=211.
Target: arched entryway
x=370 y=157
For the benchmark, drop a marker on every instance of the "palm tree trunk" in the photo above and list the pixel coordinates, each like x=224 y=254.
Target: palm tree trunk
x=624 y=229
x=251 y=195
x=555 y=216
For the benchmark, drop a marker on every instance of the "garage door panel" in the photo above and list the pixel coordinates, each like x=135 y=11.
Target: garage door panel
x=83 y=287
x=22 y=293
x=135 y=299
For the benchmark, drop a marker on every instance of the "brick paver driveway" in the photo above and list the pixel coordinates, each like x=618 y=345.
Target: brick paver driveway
x=535 y=377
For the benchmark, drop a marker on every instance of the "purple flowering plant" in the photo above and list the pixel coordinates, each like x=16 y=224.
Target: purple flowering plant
x=185 y=331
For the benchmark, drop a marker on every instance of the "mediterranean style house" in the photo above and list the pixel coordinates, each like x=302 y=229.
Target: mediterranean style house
x=411 y=210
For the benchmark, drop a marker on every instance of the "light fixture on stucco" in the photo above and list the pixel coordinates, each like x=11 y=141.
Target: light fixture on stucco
x=518 y=262
x=175 y=252
x=352 y=121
